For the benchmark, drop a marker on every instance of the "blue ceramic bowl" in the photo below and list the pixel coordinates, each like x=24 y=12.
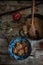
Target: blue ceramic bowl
x=12 y=44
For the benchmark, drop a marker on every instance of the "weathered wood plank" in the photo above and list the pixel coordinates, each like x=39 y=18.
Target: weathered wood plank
x=3 y=42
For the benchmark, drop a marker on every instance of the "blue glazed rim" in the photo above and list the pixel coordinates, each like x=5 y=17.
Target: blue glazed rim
x=12 y=44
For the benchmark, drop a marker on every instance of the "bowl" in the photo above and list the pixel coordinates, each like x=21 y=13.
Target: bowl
x=12 y=45
x=38 y=26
